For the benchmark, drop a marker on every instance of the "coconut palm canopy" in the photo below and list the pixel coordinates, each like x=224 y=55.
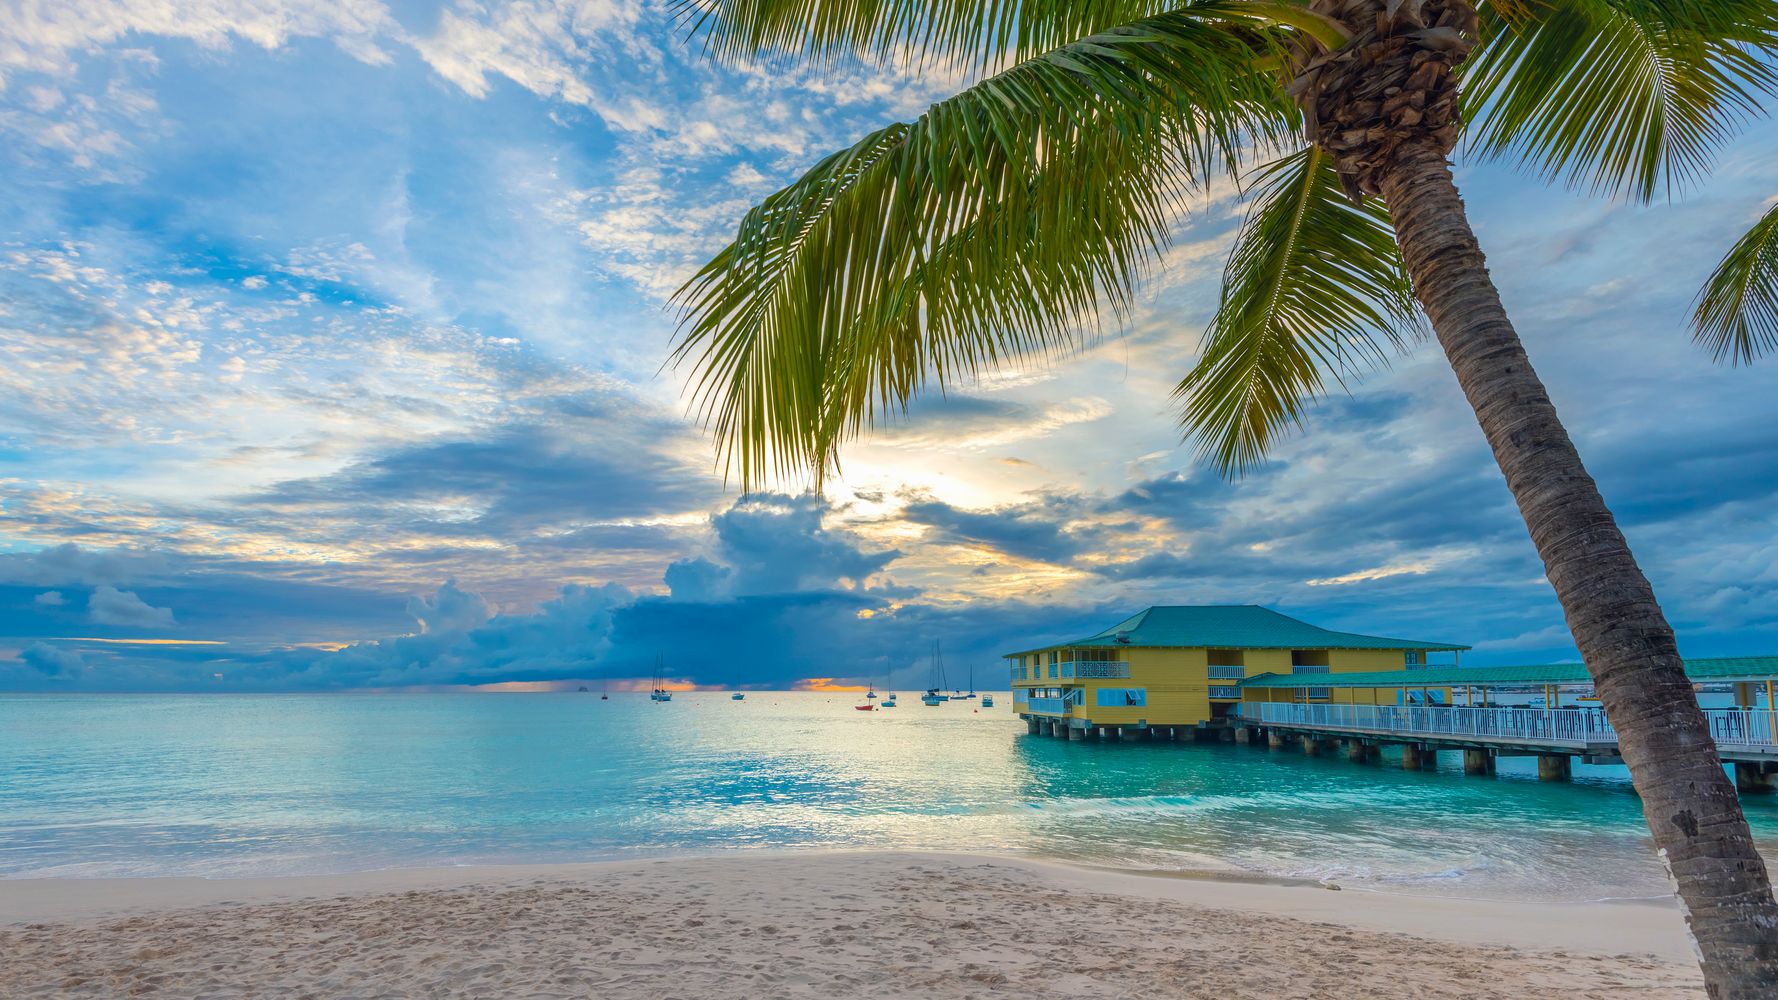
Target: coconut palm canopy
x=1007 y=222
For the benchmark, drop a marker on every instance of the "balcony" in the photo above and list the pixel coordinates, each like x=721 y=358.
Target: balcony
x=1095 y=670
x=1047 y=706
x=1225 y=692
x=1225 y=672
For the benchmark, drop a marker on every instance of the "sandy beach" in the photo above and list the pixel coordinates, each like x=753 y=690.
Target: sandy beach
x=816 y=925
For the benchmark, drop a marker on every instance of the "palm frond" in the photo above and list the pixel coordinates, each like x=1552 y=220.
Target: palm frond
x=987 y=230
x=1737 y=312
x=1622 y=96
x=965 y=31
x=983 y=34
x=1315 y=288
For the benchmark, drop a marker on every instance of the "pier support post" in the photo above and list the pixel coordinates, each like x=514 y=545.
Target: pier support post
x=1313 y=747
x=1032 y=726
x=1478 y=762
x=1274 y=739
x=1058 y=728
x=1755 y=778
x=1413 y=759
x=1357 y=752
x=1554 y=766
x=1075 y=733
x=1243 y=735
x=1225 y=735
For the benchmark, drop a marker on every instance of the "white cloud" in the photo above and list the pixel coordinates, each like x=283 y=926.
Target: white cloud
x=46 y=36
x=110 y=606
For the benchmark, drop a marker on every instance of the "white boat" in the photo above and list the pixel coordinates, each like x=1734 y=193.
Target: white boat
x=659 y=692
x=737 y=696
x=932 y=696
x=987 y=701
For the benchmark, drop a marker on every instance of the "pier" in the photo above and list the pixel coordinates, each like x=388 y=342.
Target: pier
x=1249 y=675
x=1746 y=739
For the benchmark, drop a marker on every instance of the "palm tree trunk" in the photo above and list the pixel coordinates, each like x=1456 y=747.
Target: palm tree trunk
x=1628 y=646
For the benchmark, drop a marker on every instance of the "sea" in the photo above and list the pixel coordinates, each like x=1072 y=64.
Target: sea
x=222 y=785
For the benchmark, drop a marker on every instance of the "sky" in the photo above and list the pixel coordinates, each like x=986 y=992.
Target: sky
x=332 y=343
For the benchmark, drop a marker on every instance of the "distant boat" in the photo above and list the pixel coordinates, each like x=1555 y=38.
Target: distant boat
x=660 y=693
x=737 y=696
x=932 y=696
x=866 y=707
x=987 y=701
x=888 y=702
x=581 y=688
x=603 y=696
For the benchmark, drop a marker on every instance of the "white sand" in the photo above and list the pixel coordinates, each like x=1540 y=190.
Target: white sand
x=813 y=925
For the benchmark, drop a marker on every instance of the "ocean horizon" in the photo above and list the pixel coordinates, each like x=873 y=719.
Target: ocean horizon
x=230 y=785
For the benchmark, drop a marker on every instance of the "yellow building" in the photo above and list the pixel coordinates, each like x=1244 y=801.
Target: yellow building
x=1179 y=668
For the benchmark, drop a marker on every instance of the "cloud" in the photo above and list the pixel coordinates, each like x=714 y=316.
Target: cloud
x=53 y=662
x=774 y=544
x=450 y=610
x=46 y=38
x=110 y=606
x=50 y=599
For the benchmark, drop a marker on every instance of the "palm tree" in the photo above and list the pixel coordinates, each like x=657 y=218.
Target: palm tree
x=998 y=224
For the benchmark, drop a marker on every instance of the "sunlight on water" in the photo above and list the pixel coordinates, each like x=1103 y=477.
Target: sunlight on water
x=236 y=785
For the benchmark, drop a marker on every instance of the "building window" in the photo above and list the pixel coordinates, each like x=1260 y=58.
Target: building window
x=1300 y=658
x=1120 y=697
x=1314 y=694
x=1416 y=659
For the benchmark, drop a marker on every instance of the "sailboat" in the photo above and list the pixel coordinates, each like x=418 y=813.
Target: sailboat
x=888 y=702
x=960 y=696
x=932 y=697
x=737 y=696
x=660 y=693
x=603 y=694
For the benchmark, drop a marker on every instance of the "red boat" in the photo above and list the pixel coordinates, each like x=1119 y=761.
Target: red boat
x=867 y=707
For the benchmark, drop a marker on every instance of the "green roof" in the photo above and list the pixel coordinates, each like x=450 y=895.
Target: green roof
x=1232 y=626
x=1725 y=668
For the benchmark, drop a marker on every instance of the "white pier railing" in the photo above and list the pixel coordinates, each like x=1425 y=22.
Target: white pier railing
x=1579 y=728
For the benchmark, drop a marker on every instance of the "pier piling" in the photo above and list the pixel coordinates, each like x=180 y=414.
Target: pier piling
x=1075 y=734
x=1244 y=735
x=1274 y=739
x=1554 y=766
x=1478 y=762
x=1357 y=751
x=1751 y=777
x=1313 y=747
x=1414 y=759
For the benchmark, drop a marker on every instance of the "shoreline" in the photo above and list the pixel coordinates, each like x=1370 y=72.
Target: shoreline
x=1641 y=925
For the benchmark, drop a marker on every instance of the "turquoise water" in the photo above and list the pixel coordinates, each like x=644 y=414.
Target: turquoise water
x=237 y=784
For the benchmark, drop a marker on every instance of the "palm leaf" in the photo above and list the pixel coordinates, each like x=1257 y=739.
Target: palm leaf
x=988 y=230
x=1315 y=287
x=1625 y=96
x=981 y=33
x=1737 y=312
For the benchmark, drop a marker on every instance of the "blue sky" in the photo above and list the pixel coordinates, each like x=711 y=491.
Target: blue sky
x=333 y=339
